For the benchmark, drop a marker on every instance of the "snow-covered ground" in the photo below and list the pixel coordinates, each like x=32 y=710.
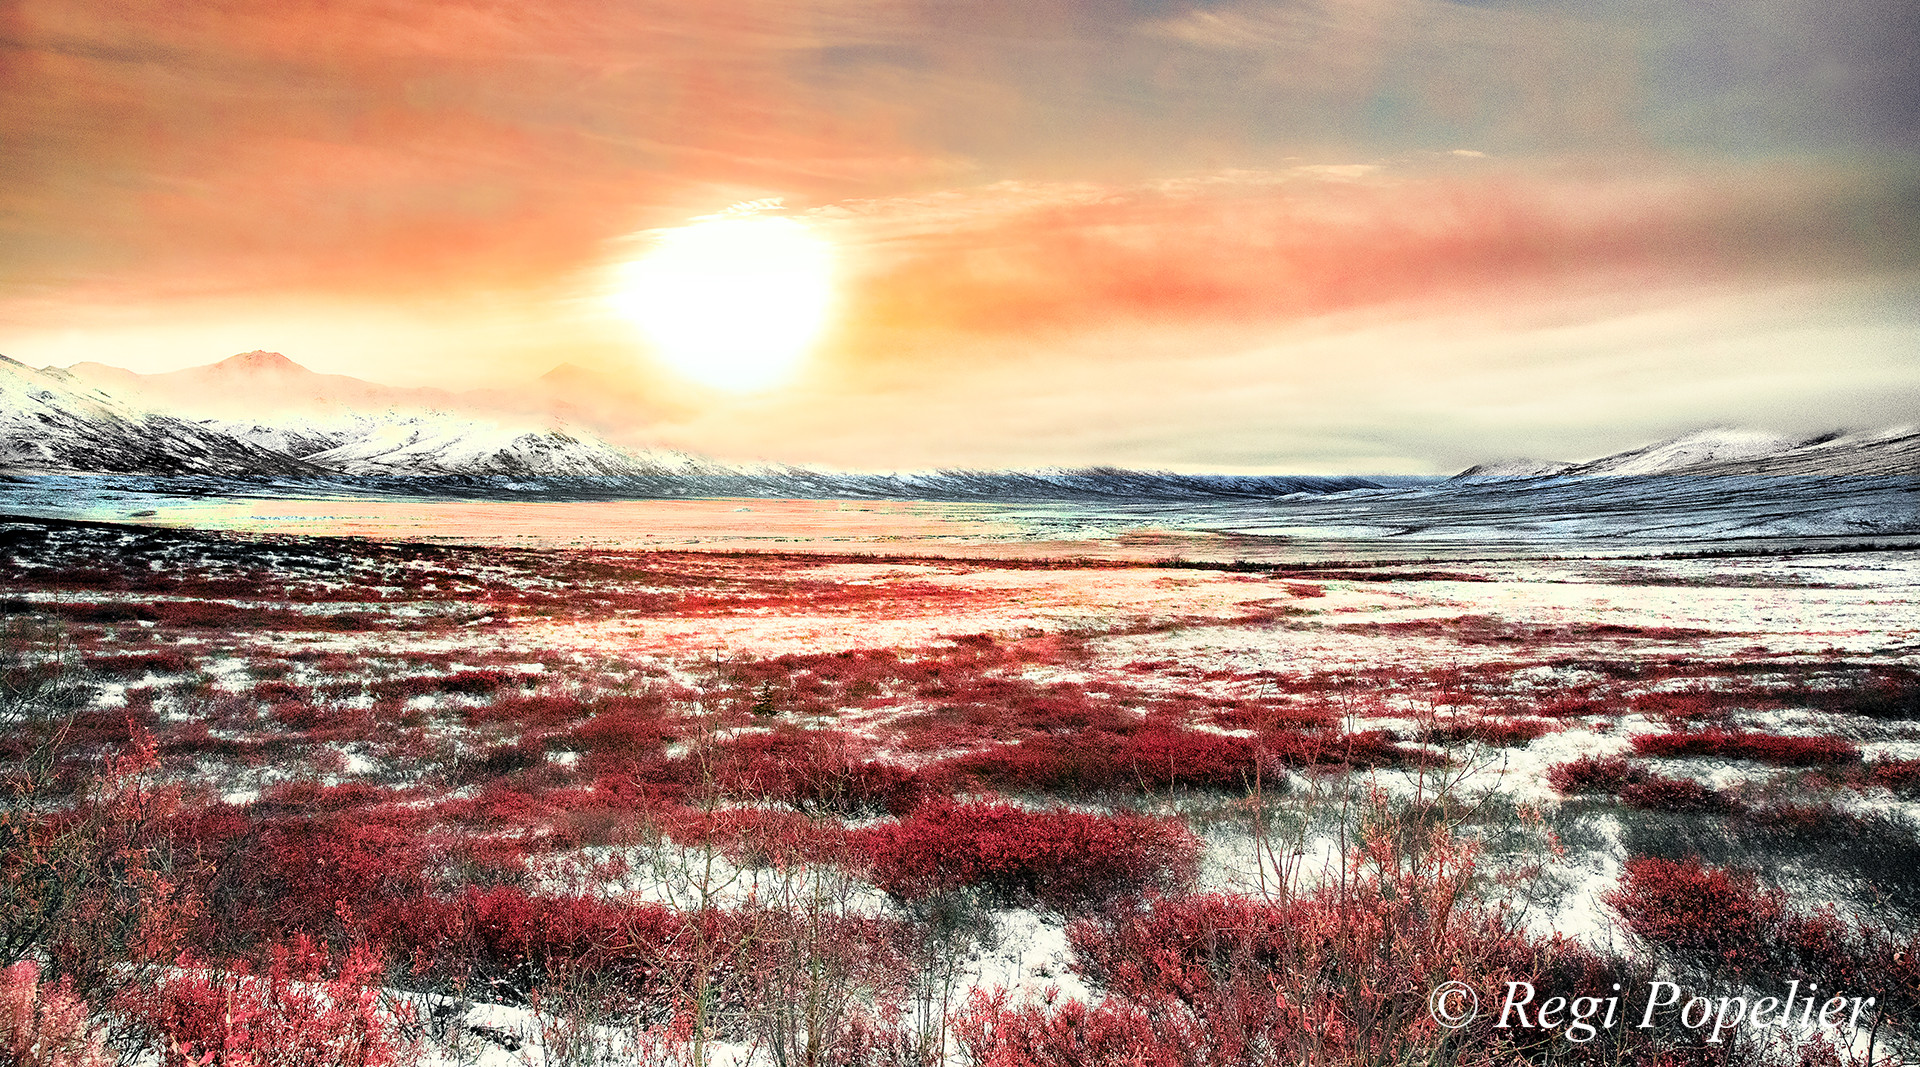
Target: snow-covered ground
x=1588 y=647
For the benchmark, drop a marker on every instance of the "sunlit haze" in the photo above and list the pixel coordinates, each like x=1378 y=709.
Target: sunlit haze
x=1394 y=236
x=733 y=302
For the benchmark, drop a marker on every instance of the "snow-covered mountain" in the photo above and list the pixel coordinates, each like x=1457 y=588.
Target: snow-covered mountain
x=1689 y=452
x=1515 y=468
x=65 y=421
x=253 y=382
x=51 y=421
x=1729 y=451
x=1895 y=450
x=262 y=384
x=336 y=426
x=439 y=444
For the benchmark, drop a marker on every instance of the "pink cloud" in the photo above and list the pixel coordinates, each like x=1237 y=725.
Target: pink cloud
x=1309 y=241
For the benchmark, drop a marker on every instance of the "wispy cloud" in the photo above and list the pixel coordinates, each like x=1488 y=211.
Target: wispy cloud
x=1309 y=240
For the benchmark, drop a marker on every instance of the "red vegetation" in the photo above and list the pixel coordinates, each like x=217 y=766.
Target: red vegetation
x=1499 y=733
x=1489 y=630
x=1764 y=748
x=1658 y=793
x=1341 y=975
x=194 y=615
x=45 y=1025
x=1159 y=757
x=1719 y=916
x=1596 y=774
x=1636 y=785
x=1693 y=705
x=1899 y=775
x=136 y=664
x=1723 y=920
x=1063 y=859
x=817 y=772
x=290 y=1015
x=458 y=888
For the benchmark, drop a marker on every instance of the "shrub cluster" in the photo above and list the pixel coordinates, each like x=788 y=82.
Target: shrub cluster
x=1724 y=922
x=1495 y=732
x=1337 y=976
x=1061 y=859
x=1763 y=748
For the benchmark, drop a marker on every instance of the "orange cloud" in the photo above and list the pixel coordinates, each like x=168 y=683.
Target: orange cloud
x=1310 y=241
x=368 y=145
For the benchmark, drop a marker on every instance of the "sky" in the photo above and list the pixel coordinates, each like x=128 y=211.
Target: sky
x=1388 y=236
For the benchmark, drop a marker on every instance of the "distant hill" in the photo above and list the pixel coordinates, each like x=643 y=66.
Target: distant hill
x=397 y=445
x=255 y=382
x=57 y=421
x=268 y=385
x=1893 y=451
x=260 y=413
x=51 y=421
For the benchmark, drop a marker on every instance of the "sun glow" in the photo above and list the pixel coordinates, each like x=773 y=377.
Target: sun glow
x=734 y=302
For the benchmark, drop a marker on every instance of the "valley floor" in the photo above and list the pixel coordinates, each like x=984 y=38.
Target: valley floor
x=572 y=806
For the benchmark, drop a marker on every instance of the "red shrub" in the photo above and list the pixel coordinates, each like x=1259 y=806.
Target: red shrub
x=405 y=688
x=756 y=836
x=1499 y=733
x=1072 y=1034
x=1719 y=916
x=1160 y=757
x=1338 y=976
x=1679 y=706
x=287 y=1016
x=1063 y=859
x=45 y=1026
x=1797 y=751
x=1657 y=793
x=299 y=714
x=1368 y=748
x=195 y=739
x=1596 y=774
x=168 y=661
x=510 y=942
x=301 y=855
x=479 y=683
x=621 y=728
x=1266 y=717
x=534 y=712
x=278 y=692
x=1824 y=945
x=1899 y=775
x=817 y=771
x=1723 y=920
x=1098 y=760
x=1764 y=748
x=500 y=760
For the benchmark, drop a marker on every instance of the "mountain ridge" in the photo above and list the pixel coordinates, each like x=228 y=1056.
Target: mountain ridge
x=53 y=421
x=244 y=385
x=1728 y=450
x=65 y=420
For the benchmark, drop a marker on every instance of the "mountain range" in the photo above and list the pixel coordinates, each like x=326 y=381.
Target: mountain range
x=262 y=414
x=1894 y=451
x=242 y=386
x=94 y=418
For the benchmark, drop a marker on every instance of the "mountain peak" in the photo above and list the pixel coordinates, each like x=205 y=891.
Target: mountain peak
x=1720 y=444
x=260 y=361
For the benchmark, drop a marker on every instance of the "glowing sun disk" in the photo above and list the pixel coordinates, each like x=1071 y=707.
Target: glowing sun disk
x=732 y=302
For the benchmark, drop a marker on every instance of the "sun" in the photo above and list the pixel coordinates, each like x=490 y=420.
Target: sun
x=734 y=301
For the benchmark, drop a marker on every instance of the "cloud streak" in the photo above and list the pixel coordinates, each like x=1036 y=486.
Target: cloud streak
x=1279 y=246
x=1157 y=196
